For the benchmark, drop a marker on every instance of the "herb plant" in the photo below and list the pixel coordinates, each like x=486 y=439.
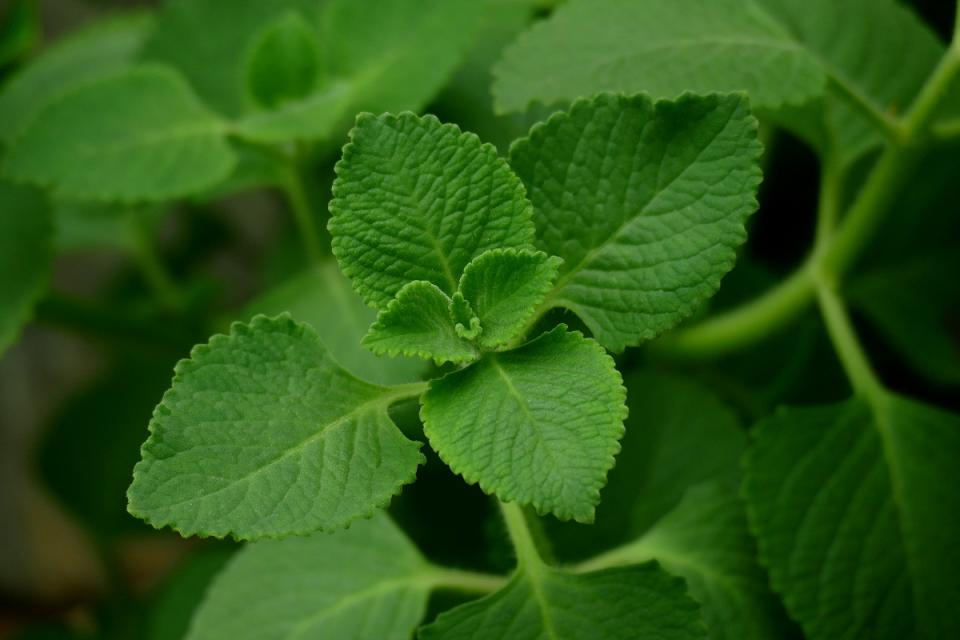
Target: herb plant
x=539 y=318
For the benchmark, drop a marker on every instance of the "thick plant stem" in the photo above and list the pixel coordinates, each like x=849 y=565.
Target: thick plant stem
x=465 y=581
x=852 y=356
x=303 y=214
x=528 y=557
x=835 y=251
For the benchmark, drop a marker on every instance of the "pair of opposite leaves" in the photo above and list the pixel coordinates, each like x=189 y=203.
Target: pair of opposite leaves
x=263 y=434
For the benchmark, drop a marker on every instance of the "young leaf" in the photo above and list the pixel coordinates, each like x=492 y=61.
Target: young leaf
x=106 y=47
x=467 y=324
x=284 y=63
x=504 y=287
x=515 y=422
x=779 y=51
x=417 y=200
x=418 y=322
x=365 y=582
x=857 y=514
x=26 y=238
x=323 y=298
x=263 y=435
x=137 y=135
x=644 y=201
x=614 y=604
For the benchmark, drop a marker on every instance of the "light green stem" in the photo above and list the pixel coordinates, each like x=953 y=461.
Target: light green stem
x=399 y=392
x=528 y=557
x=835 y=251
x=466 y=581
x=154 y=271
x=303 y=214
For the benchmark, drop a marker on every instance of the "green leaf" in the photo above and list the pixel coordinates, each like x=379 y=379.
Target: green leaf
x=211 y=48
x=644 y=201
x=857 y=513
x=262 y=434
x=415 y=199
x=88 y=225
x=660 y=47
x=26 y=253
x=366 y=582
x=419 y=322
x=137 y=135
x=173 y=605
x=284 y=64
x=779 y=51
x=322 y=298
x=672 y=498
x=516 y=421
x=19 y=30
x=504 y=287
x=106 y=47
x=317 y=116
x=628 y=603
x=467 y=324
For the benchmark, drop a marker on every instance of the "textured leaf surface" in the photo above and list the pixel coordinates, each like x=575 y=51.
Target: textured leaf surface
x=323 y=298
x=419 y=322
x=857 y=514
x=137 y=135
x=263 y=435
x=26 y=239
x=537 y=425
x=284 y=63
x=106 y=47
x=415 y=199
x=632 y=603
x=673 y=498
x=645 y=202
x=779 y=51
x=504 y=287
x=365 y=582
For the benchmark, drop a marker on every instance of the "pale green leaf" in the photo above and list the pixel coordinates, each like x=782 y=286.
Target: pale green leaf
x=782 y=52
x=415 y=199
x=362 y=583
x=538 y=425
x=316 y=116
x=137 y=135
x=209 y=42
x=645 y=202
x=504 y=287
x=660 y=47
x=857 y=514
x=630 y=603
x=419 y=322
x=104 y=48
x=323 y=298
x=284 y=62
x=262 y=434
x=26 y=252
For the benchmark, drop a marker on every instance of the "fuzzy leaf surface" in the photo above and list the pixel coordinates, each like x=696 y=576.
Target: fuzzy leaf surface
x=323 y=298
x=538 y=425
x=857 y=514
x=137 y=135
x=415 y=199
x=367 y=581
x=263 y=435
x=645 y=202
x=630 y=603
x=504 y=287
x=418 y=322
x=26 y=254
x=106 y=47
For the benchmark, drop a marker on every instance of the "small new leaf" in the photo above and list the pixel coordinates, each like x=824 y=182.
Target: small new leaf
x=264 y=435
x=284 y=62
x=504 y=287
x=137 y=135
x=365 y=582
x=415 y=199
x=645 y=202
x=613 y=604
x=514 y=422
x=419 y=322
x=468 y=324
